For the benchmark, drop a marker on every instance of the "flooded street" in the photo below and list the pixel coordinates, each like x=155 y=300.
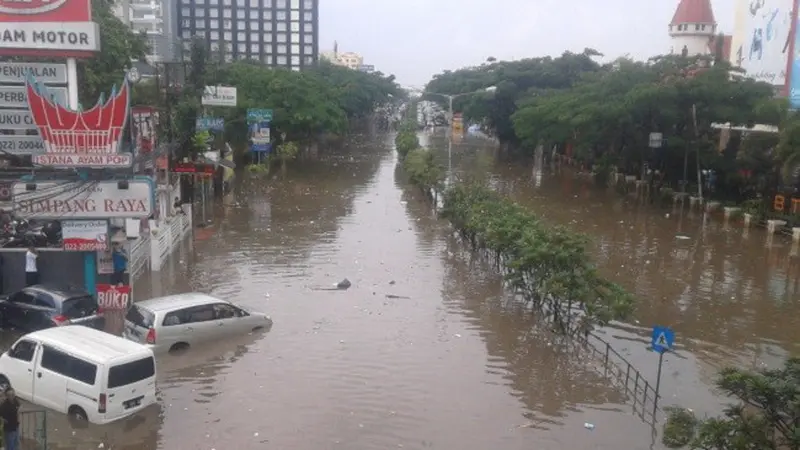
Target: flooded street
x=424 y=351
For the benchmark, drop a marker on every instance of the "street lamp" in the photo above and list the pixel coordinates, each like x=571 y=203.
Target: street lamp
x=450 y=98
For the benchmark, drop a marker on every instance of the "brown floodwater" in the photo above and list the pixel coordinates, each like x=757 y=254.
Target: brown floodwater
x=426 y=351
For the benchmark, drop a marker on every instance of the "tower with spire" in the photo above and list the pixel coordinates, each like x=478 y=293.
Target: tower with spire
x=693 y=28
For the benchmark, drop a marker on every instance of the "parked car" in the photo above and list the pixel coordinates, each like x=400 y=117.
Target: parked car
x=85 y=373
x=45 y=306
x=177 y=322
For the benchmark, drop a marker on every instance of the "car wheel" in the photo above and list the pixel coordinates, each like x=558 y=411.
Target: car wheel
x=4 y=383
x=179 y=348
x=77 y=413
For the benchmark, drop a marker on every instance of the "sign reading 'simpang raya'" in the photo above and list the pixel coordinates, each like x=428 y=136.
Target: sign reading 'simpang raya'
x=48 y=27
x=84 y=200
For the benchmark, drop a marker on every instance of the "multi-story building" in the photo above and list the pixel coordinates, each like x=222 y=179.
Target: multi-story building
x=155 y=19
x=278 y=33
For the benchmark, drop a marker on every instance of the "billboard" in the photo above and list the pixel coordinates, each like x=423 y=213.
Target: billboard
x=60 y=28
x=761 y=39
x=794 y=67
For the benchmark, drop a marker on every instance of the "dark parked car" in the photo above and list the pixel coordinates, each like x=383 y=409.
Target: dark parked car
x=45 y=306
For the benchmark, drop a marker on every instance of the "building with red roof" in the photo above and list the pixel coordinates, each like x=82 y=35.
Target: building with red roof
x=693 y=30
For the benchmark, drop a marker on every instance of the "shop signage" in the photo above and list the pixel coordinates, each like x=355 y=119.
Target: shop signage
x=91 y=132
x=83 y=200
x=16 y=73
x=259 y=115
x=16 y=119
x=59 y=28
x=84 y=235
x=113 y=297
x=21 y=145
x=219 y=96
x=78 y=160
x=193 y=168
x=17 y=97
x=210 y=124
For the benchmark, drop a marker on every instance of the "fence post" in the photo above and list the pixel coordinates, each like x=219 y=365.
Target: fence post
x=636 y=388
x=627 y=376
x=605 y=365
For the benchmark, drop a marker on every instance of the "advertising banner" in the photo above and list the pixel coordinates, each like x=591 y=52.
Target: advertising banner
x=794 y=76
x=210 y=124
x=219 y=96
x=82 y=200
x=84 y=235
x=113 y=297
x=260 y=137
x=761 y=39
x=259 y=115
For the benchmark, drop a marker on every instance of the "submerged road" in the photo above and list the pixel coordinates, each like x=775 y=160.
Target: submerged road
x=424 y=351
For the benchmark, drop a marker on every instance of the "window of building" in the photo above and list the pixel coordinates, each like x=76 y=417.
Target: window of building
x=266 y=59
x=309 y=39
x=199 y=12
x=228 y=57
x=255 y=3
x=308 y=16
x=213 y=2
x=308 y=49
x=295 y=38
x=186 y=23
x=213 y=24
x=240 y=47
x=253 y=37
x=295 y=49
x=199 y=23
x=281 y=26
x=280 y=37
x=266 y=14
x=295 y=27
x=308 y=27
x=281 y=60
x=186 y=34
x=186 y=12
x=295 y=60
x=228 y=36
x=227 y=24
x=308 y=4
x=187 y=45
x=226 y=13
x=255 y=25
x=294 y=15
x=282 y=48
x=213 y=12
x=240 y=14
x=240 y=36
x=294 y=4
x=241 y=2
x=254 y=49
x=227 y=2
x=280 y=4
x=281 y=15
x=214 y=35
x=296 y=68
x=266 y=37
x=308 y=60
x=267 y=26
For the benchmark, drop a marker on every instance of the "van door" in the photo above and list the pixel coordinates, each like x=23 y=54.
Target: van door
x=130 y=387
x=19 y=365
x=50 y=379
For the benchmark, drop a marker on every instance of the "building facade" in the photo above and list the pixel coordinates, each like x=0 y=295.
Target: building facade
x=694 y=32
x=277 y=33
x=156 y=19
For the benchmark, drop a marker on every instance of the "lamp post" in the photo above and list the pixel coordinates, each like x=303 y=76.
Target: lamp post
x=450 y=98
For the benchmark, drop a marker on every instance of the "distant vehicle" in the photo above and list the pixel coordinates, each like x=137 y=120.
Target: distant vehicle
x=85 y=373
x=177 y=322
x=47 y=305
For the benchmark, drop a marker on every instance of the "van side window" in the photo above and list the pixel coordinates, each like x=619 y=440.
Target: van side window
x=24 y=351
x=174 y=318
x=69 y=366
x=200 y=314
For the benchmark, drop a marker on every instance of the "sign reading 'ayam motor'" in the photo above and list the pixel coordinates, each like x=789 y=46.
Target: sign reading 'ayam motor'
x=102 y=199
x=77 y=36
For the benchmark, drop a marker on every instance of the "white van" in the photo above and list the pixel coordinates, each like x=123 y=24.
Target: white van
x=86 y=373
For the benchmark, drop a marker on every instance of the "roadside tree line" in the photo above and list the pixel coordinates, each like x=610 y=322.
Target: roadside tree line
x=603 y=115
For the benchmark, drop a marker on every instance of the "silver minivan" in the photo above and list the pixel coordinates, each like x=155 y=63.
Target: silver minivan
x=177 y=322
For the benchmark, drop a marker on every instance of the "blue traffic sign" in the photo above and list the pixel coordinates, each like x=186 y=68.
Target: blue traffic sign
x=261 y=147
x=210 y=124
x=663 y=339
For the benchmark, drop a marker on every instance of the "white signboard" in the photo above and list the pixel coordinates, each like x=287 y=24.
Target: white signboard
x=762 y=36
x=73 y=36
x=219 y=96
x=21 y=145
x=11 y=72
x=85 y=235
x=83 y=160
x=16 y=119
x=83 y=200
x=17 y=96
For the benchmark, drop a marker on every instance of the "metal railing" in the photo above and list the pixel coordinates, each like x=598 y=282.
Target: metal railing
x=33 y=429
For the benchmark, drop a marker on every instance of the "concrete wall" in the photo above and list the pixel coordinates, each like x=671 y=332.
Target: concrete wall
x=58 y=267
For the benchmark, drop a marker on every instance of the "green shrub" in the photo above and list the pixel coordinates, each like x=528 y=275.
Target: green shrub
x=680 y=428
x=423 y=170
x=405 y=142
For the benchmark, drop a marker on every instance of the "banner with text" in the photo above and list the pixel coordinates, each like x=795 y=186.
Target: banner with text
x=84 y=235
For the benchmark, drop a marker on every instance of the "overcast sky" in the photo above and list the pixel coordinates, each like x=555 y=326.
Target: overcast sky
x=415 y=39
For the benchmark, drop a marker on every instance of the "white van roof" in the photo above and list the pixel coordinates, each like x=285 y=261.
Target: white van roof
x=88 y=343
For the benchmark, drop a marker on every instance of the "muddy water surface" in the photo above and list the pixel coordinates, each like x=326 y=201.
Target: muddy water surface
x=425 y=351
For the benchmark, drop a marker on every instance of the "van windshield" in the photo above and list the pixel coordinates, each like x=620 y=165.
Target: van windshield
x=132 y=372
x=140 y=317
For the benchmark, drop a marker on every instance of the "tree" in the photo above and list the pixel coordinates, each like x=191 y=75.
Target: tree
x=359 y=93
x=120 y=45
x=767 y=416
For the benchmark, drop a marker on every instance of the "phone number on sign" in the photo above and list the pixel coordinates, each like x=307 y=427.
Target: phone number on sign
x=84 y=246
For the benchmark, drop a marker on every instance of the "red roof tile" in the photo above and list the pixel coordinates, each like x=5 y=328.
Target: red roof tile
x=693 y=11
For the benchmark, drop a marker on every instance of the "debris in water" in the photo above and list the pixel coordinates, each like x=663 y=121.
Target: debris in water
x=457 y=335
x=344 y=284
x=588 y=426
x=682 y=237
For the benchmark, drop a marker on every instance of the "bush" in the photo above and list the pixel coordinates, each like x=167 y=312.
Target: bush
x=405 y=142
x=548 y=266
x=680 y=427
x=423 y=171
